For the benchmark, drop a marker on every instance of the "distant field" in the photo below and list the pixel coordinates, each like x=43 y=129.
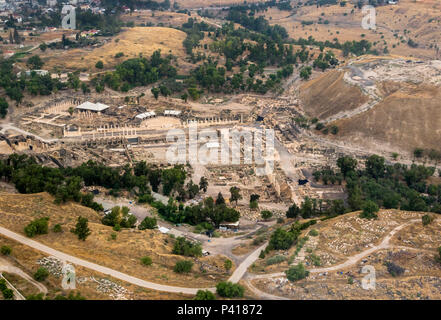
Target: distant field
x=131 y=42
x=419 y=21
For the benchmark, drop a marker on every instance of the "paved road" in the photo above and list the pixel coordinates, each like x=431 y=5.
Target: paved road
x=235 y=277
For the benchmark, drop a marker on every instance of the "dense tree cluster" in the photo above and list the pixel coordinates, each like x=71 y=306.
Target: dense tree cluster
x=120 y=218
x=138 y=72
x=8 y=294
x=389 y=186
x=187 y=248
x=206 y=211
x=229 y=290
x=16 y=86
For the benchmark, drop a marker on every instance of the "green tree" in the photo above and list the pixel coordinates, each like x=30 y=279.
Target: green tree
x=5 y=250
x=148 y=223
x=204 y=294
x=235 y=195
x=43 y=46
x=418 y=152
x=155 y=92
x=228 y=264
x=99 y=64
x=36 y=227
x=427 y=219
x=346 y=164
x=147 y=261
x=229 y=289
x=370 y=210
x=35 y=62
x=266 y=214
x=220 y=199
x=187 y=248
x=203 y=184
x=293 y=211
x=305 y=72
x=297 y=272
x=41 y=274
x=183 y=266
x=281 y=239
x=3 y=107
x=82 y=228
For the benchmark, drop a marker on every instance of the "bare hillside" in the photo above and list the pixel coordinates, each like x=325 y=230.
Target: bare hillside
x=329 y=94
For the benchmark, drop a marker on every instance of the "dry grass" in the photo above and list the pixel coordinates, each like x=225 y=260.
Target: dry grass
x=405 y=119
x=26 y=258
x=132 y=42
x=122 y=254
x=329 y=94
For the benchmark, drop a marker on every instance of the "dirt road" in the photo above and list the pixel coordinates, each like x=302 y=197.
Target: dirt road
x=235 y=277
x=385 y=244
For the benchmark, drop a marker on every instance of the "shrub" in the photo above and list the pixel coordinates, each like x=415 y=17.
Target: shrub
x=41 y=274
x=262 y=254
x=393 y=269
x=438 y=258
x=370 y=209
x=148 y=223
x=314 y=259
x=37 y=296
x=8 y=294
x=36 y=227
x=281 y=239
x=82 y=228
x=5 y=250
x=228 y=264
x=229 y=289
x=266 y=214
x=147 y=261
x=275 y=260
x=57 y=228
x=313 y=233
x=187 y=248
x=427 y=219
x=297 y=272
x=183 y=266
x=99 y=65
x=204 y=295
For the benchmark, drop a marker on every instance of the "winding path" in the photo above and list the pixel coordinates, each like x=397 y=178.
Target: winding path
x=6 y=266
x=385 y=244
x=235 y=277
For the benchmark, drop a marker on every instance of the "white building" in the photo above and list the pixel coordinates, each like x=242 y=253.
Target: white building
x=92 y=107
